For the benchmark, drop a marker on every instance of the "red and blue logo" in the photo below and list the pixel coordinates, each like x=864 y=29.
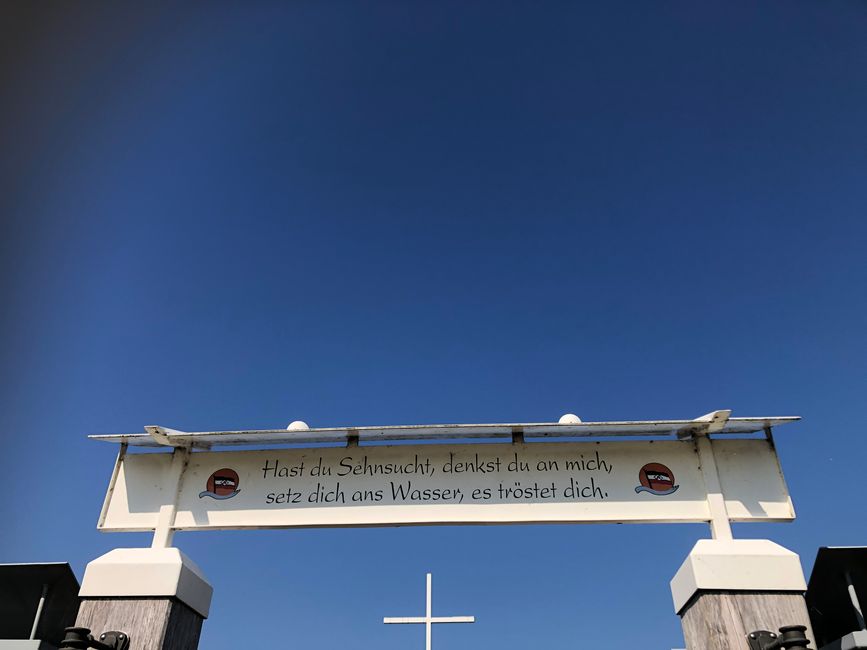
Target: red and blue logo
x=222 y=484
x=657 y=479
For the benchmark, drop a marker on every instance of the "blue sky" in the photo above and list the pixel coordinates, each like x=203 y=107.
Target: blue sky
x=238 y=215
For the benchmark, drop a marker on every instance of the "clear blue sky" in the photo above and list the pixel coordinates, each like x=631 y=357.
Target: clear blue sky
x=240 y=214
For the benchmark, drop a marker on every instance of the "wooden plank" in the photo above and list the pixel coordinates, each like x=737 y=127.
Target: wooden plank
x=720 y=620
x=151 y=623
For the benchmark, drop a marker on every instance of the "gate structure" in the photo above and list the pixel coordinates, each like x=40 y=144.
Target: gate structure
x=715 y=469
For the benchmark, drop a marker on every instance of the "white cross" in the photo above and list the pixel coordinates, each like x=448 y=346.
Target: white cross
x=427 y=619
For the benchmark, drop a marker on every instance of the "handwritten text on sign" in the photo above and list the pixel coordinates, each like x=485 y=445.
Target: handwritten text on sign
x=461 y=483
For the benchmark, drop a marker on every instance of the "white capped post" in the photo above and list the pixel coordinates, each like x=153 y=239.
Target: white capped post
x=428 y=619
x=158 y=596
x=727 y=588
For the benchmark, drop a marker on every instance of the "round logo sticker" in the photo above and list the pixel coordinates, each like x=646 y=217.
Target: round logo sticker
x=657 y=479
x=222 y=484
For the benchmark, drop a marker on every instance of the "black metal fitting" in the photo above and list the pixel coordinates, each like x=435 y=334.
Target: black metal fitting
x=76 y=637
x=80 y=638
x=791 y=637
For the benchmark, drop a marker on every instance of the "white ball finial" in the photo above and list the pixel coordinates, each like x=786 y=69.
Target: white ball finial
x=570 y=418
x=297 y=425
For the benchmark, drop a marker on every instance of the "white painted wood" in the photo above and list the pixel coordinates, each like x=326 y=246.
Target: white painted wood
x=38 y=615
x=716 y=421
x=162 y=436
x=606 y=474
x=741 y=478
x=719 y=518
x=121 y=452
x=428 y=619
x=164 y=529
x=856 y=605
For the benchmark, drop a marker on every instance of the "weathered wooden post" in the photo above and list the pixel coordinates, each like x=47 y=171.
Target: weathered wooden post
x=155 y=595
x=729 y=588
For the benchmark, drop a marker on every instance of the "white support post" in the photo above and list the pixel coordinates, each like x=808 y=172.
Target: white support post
x=720 y=526
x=428 y=614
x=121 y=453
x=164 y=531
x=856 y=605
x=39 y=608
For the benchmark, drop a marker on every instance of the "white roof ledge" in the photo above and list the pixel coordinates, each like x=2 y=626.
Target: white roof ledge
x=717 y=423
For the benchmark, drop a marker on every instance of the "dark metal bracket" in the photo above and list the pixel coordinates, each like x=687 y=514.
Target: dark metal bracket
x=115 y=640
x=791 y=637
x=80 y=638
x=761 y=640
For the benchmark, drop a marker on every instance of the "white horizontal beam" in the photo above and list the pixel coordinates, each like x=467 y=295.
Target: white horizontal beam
x=434 y=619
x=162 y=436
x=404 y=619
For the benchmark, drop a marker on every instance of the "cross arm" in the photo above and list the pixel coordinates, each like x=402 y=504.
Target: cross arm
x=434 y=619
x=453 y=619
x=404 y=619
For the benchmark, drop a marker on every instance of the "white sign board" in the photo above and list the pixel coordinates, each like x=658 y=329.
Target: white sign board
x=635 y=481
